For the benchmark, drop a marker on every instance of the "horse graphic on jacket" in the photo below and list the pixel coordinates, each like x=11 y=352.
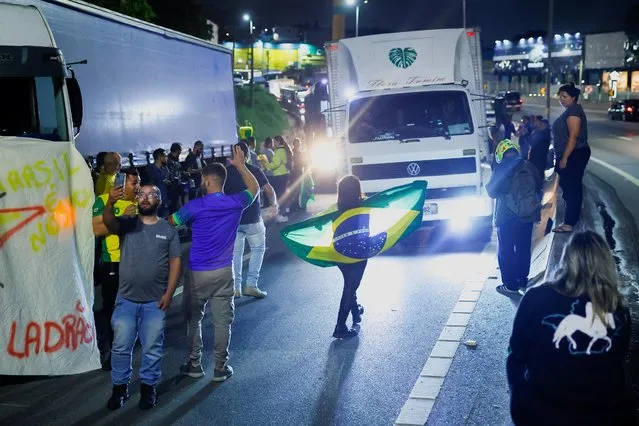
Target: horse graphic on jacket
x=591 y=325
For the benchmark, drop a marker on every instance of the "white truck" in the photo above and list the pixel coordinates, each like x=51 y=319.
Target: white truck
x=408 y=106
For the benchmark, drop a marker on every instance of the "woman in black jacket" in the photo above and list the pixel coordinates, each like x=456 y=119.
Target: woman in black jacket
x=566 y=358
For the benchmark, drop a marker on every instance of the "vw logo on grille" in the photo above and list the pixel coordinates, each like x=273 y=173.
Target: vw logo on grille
x=413 y=169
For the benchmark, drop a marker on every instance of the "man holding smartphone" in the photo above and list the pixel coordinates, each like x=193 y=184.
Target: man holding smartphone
x=109 y=263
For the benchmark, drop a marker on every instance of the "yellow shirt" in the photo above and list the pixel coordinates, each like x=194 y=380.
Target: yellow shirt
x=104 y=184
x=111 y=242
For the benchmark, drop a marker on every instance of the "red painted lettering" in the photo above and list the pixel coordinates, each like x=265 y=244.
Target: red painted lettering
x=49 y=346
x=32 y=335
x=11 y=348
x=69 y=333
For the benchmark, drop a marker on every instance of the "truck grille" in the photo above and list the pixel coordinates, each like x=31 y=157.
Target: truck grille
x=415 y=169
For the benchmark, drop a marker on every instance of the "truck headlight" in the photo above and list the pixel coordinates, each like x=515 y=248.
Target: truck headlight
x=325 y=157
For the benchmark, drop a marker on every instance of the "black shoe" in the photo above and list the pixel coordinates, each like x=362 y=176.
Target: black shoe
x=344 y=333
x=148 y=397
x=357 y=316
x=118 y=397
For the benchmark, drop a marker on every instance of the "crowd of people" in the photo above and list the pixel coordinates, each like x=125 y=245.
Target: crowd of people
x=571 y=334
x=138 y=254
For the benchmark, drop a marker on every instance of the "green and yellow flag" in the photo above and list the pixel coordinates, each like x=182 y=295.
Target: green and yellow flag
x=359 y=234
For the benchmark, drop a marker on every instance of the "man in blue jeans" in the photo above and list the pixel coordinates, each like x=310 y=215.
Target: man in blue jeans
x=251 y=228
x=149 y=270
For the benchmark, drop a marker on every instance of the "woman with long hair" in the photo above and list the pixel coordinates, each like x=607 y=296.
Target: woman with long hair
x=572 y=153
x=570 y=336
x=280 y=166
x=349 y=196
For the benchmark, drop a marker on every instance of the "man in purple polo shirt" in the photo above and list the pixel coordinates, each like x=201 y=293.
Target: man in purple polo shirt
x=214 y=219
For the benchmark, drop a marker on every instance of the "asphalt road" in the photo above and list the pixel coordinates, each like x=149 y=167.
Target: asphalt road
x=288 y=368
x=289 y=371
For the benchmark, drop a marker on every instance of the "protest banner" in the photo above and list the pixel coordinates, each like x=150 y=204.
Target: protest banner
x=46 y=260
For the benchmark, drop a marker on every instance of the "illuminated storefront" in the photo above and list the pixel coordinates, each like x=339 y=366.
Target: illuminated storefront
x=526 y=60
x=277 y=56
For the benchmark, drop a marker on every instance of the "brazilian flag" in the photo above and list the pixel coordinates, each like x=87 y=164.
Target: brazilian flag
x=358 y=234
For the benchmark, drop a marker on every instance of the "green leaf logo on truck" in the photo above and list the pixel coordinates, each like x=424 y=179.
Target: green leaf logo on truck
x=402 y=58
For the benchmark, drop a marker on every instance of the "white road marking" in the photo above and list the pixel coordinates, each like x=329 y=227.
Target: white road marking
x=626 y=138
x=617 y=170
x=422 y=397
x=180 y=289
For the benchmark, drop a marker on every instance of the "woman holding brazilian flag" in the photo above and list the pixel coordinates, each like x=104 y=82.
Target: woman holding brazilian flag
x=354 y=230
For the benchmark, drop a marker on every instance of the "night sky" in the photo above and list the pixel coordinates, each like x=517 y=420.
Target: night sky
x=498 y=19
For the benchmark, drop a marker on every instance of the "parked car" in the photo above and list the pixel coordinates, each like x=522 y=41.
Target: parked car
x=627 y=110
x=512 y=100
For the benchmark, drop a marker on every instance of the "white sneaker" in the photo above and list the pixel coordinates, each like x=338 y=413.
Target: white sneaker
x=281 y=219
x=255 y=292
x=238 y=293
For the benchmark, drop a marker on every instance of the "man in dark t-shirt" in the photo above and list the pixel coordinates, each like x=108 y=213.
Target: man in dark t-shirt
x=150 y=266
x=251 y=227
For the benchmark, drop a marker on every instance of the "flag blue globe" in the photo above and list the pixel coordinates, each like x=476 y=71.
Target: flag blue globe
x=352 y=238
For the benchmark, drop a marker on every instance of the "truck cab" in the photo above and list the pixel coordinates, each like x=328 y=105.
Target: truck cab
x=38 y=101
x=410 y=106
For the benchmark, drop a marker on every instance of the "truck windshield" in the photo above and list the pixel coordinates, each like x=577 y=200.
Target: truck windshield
x=410 y=115
x=33 y=107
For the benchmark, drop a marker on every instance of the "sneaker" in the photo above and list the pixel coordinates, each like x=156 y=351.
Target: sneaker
x=238 y=293
x=357 y=316
x=255 y=292
x=506 y=291
x=344 y=333
x=222 y=375
x=148 y=397
x=281 y=219
x=118 y=397
x=192 y=370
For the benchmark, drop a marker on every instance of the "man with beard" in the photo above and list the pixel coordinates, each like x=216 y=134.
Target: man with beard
x=214 y=219
x=149 y=271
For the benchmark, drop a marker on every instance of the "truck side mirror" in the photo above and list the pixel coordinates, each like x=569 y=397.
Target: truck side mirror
x=75 y=100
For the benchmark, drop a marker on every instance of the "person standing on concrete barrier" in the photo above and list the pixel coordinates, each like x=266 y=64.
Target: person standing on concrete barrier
x=539 y=146
x=514 y=184
x=569 y=340
x=149 y=272
x=215 y=219
x=251 y=228
x=572 y=153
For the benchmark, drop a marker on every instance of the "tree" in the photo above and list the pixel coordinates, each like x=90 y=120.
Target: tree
x=632 y=21
x=186 y=16
x=266 y=115
x=139 y=9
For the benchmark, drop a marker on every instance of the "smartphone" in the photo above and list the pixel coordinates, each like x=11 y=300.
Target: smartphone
x=120 y=178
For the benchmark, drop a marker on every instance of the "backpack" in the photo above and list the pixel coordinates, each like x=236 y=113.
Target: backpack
x=523 y=198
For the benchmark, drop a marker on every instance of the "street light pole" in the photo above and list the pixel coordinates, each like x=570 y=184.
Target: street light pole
x=464 y=13
x=247 y=17
x=551 y=15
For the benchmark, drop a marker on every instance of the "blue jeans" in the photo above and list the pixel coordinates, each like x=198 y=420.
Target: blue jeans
x=255 y=233
x=129 y=320
x=514 y=251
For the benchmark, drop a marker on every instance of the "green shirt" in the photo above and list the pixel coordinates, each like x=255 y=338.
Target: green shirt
x=111 y=242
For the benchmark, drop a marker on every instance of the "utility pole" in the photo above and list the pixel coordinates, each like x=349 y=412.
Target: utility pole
x=464 y=13
x=550 y=37
x=357 y=21
x=339 y=20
